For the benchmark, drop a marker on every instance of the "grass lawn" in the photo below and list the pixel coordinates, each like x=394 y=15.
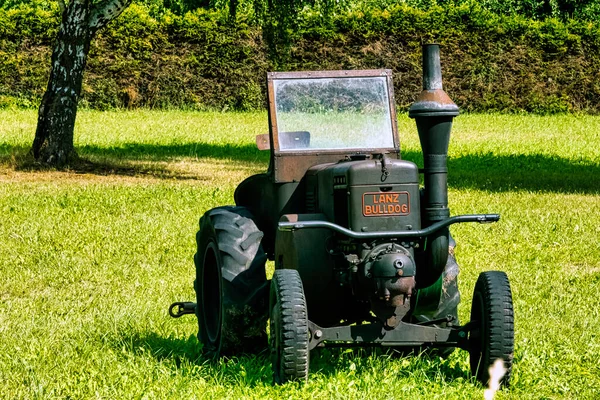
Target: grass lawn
x=92 y=257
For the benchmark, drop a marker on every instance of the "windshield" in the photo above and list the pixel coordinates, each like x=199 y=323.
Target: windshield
x=333 y=113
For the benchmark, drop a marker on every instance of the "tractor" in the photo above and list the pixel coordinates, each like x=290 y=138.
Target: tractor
x=362 y=251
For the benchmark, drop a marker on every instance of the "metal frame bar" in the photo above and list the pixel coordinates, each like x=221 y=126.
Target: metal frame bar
x=403 y=335
x=481 y=218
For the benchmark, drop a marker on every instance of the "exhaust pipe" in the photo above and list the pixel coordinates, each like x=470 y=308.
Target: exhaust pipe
x=433 y=112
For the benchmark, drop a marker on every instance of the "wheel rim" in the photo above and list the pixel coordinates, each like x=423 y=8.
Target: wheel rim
x=276 y=347
x=211 y=294
x=275 y=341
x=477 y=335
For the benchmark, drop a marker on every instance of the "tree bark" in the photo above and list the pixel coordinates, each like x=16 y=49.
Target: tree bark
x=53 y=143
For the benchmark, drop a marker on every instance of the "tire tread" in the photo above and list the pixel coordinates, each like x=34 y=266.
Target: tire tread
x=245 y=287
x=496 y=295
x=293 y=365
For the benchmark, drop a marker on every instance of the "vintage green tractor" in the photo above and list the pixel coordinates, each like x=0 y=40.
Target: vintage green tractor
x=363 y=254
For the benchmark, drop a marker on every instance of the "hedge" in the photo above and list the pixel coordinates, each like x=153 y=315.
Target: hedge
x=204 y=61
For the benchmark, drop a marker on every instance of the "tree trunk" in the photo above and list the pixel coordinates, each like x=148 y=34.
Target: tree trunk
x=53 y=143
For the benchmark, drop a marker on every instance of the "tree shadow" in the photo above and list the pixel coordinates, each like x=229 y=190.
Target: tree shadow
x=135 y=160
x=487 y=171
x=169 y=152
x=519 y=172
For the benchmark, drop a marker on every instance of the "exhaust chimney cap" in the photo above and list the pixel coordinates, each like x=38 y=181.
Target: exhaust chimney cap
x=433 y=101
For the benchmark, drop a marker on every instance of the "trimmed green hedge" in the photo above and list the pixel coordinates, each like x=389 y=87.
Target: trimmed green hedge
x=202 y=61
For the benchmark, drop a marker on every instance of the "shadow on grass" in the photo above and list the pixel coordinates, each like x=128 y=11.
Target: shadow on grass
x=495 y=173
x=135 y=160
x=335 y=360
x=252 y=370
x=249 y=370
x=168 y=152
x=519 y=172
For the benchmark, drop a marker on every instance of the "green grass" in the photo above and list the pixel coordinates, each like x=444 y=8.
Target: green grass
x=92 y=257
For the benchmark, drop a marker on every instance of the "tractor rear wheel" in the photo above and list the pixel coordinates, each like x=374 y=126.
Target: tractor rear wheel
x=289 y=327
x=492 y=320
x=231 y=284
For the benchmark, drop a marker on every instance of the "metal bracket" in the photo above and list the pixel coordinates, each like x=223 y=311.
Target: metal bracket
x=183 y=308
x=375 y=334
x=447 y=319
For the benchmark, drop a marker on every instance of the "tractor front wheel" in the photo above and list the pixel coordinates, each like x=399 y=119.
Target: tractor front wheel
x=231 y=284
x=289 y=327
x=492 y=320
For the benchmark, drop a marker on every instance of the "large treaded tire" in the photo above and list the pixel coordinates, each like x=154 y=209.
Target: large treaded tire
x=231 y=284
x=289 y=328
x=492 y=320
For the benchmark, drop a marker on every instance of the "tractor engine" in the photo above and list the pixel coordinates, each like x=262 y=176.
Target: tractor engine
x=362 y=194
x=374 y=195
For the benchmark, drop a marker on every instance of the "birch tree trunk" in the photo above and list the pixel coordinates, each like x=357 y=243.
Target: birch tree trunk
x=81 y=19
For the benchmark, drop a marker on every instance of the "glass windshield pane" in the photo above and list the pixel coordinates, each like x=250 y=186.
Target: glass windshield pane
x=333 y=113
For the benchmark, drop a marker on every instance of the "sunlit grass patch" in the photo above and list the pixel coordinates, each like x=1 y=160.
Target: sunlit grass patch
x=92 y=258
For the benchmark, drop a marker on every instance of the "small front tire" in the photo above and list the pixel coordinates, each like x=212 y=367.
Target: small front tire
x=289 y=328
x=492 y=320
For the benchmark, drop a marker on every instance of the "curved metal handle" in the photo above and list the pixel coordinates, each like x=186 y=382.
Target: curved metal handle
x=481 y=218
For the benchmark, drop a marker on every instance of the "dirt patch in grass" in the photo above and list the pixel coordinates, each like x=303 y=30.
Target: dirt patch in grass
x=110 y=171
x=19 y=165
